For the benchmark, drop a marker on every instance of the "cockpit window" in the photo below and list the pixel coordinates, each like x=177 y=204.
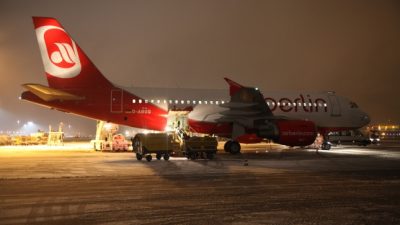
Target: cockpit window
x=353 y=105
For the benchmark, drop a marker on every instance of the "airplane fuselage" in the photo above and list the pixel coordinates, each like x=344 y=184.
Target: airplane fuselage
x=326 y=109
x=147 y=108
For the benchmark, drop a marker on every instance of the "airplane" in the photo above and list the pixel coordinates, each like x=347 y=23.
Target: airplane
x=242 y=114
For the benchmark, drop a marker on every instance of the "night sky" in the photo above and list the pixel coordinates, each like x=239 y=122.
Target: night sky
x=351 y=47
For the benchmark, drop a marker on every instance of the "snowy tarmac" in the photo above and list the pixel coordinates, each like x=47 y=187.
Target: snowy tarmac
x=266 y=184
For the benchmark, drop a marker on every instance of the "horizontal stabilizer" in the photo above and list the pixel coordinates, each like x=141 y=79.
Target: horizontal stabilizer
x=50 y=94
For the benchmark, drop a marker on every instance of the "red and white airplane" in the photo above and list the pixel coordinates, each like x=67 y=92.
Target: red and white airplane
x=242 y=114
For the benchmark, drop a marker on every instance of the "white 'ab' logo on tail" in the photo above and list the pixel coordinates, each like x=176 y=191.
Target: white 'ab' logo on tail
x=65 y=53
x=59 y=52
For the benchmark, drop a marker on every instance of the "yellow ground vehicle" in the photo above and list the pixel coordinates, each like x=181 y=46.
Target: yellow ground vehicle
x=5 y=140
x=200 y=147
x=164 y=144
x=20 y=140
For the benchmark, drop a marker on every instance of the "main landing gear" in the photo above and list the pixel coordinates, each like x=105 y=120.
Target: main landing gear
x=232 y=146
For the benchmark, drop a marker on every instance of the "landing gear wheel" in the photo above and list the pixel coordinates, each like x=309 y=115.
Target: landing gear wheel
x=227 y=146
x=139 y=156
x=158 y=156
x=210 y=156
x=234 y=147
x=149 y=158
x=166 y=157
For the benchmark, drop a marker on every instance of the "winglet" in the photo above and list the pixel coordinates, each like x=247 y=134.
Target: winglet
x=233 y=86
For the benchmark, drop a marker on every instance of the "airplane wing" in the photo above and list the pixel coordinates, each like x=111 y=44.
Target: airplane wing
x=50 y=94
x=248 y=112
x=247 y=105
x=245 y=102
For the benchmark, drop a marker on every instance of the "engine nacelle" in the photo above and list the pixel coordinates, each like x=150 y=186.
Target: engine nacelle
x=289 y=132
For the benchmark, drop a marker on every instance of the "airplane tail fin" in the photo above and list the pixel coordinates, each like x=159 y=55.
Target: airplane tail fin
x=66 y=65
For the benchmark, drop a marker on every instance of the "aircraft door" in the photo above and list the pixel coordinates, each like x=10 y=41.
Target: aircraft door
x=116 y=100
x=334 y=105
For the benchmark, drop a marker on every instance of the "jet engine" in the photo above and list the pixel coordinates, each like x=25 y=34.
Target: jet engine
x=288 y=132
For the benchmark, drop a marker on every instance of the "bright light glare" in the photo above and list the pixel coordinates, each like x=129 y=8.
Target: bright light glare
x=107 y=126
x=168 y=128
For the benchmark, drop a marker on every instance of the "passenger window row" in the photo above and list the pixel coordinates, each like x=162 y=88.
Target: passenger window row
x=182 y=102
x=298 y=104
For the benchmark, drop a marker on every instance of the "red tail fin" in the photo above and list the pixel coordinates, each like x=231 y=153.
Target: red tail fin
x=66 y=65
